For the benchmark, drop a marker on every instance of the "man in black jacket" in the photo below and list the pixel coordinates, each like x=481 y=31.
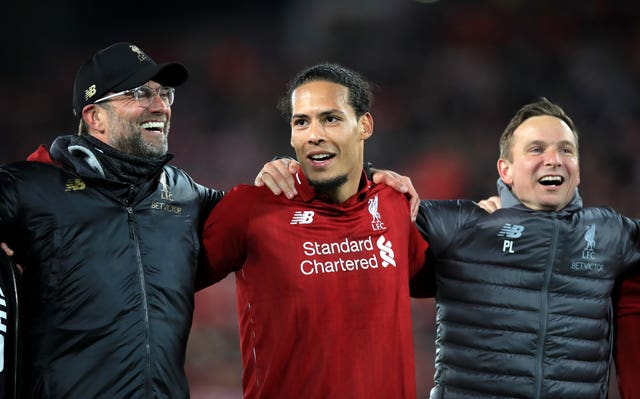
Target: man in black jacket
x=523 y=297
x=107 y=234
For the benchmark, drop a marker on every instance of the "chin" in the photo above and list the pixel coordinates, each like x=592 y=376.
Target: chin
x=553 y=205
x=327 y=184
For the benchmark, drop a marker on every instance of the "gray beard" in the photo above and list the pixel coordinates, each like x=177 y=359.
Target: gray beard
x=133 y=142
x=136 y=146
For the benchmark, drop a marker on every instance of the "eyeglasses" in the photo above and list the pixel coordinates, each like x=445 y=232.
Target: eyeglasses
x=144 y=95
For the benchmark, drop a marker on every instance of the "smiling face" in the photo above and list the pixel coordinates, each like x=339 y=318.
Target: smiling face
x=543 y=171
x=131 y=128
x=328 y=137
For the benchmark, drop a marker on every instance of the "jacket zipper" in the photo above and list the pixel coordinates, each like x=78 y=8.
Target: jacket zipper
x=145 y=305
x=544 y=308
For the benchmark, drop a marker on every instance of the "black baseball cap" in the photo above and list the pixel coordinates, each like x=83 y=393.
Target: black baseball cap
x=121 y=66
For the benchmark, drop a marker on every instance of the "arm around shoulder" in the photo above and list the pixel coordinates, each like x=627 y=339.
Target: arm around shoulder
x=223 y=238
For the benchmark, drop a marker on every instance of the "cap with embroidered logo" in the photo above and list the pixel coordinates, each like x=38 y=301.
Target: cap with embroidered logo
x=121 y=66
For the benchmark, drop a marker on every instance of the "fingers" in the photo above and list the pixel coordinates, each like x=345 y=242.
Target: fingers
x=400 y=183
x=258 y=181
x=390 y=178
x=490 y=204
x=277 y=176
x=6 y=249
x=293 y=166
x=10 y=252
x=414 y=199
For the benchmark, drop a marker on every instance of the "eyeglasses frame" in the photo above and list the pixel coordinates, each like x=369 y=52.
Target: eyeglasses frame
x=135 y=92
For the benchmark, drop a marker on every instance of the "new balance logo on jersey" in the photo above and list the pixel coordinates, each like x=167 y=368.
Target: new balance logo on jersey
x=510 y=231
x=302 y=217
x=74 y=185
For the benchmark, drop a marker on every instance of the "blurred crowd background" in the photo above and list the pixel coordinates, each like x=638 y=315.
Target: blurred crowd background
x=449 y=76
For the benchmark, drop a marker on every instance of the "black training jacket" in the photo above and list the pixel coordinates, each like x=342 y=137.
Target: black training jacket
x=108 y=287
x=523 y=297
x=8 y=328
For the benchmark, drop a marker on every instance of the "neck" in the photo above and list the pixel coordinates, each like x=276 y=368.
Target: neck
x=339 y=189
x=346 y=191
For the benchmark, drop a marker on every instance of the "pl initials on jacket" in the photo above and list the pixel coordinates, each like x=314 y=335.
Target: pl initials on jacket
x=524 y=297
x=109 y=273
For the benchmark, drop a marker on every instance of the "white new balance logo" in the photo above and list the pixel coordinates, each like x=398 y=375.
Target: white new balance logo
x=511 y=231
x=302 y=217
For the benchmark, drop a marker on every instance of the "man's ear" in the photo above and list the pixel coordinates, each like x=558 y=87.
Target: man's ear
x=95 y=118
x=365 y=124
x=505 y=171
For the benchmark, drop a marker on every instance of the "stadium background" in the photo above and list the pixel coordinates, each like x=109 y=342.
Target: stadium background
x=450 y=74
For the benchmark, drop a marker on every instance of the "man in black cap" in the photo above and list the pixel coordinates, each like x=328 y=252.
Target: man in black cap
x=115 y=94
x=107 y=234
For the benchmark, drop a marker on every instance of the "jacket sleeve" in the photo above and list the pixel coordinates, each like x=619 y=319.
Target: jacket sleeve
x=439 y=222
x=209 y=198
x=8 y=203
x=417 y=251
x=8 y=288
x=9 y=307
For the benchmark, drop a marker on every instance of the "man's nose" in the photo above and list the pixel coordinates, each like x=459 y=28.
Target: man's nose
x=157 y=104
x=552 y=157
x=316 y=132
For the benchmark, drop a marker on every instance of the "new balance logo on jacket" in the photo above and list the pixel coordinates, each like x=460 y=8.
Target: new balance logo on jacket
x=511 y=231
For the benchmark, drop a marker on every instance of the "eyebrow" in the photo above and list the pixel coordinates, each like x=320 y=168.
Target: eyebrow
x=323 y=113
x=559 y=143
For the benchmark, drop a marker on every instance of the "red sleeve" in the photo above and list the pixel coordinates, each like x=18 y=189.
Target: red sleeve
x=418 y=247
x=627 y=341
x=224 y=237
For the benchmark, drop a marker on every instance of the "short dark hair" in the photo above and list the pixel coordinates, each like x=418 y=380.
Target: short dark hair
x=360 y=91
x=538 y=108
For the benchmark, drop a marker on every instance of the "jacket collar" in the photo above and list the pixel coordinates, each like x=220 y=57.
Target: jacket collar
x=73 y=153
x=509 y=200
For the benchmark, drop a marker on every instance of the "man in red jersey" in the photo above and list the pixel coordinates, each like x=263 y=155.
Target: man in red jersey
x=322 y=279
x=526 y=291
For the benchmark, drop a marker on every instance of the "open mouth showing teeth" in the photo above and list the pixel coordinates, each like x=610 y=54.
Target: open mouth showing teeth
x=321 y=157
x=551 y=180
x=153 y=126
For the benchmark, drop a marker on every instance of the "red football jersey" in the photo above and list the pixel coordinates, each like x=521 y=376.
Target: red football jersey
x=627 y=344
x=322 y=290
